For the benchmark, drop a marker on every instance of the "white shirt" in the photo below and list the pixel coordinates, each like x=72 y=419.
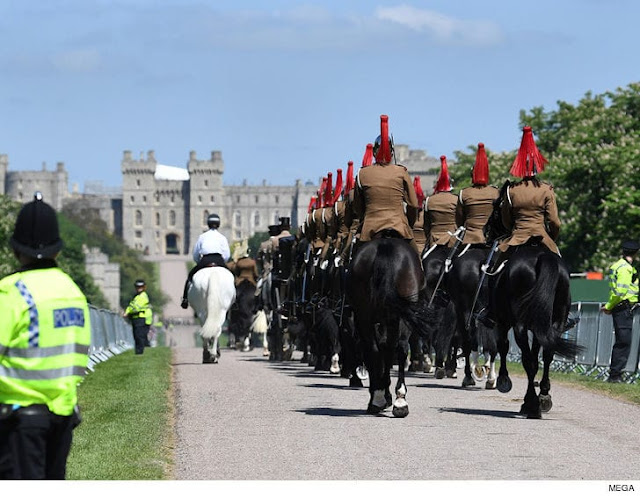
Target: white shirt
x=211 y=242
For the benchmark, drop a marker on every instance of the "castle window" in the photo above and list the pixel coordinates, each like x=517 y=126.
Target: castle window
x=256 y=219
x=199 y=199
x=277 y=199
x=172 y=218
x=157 y=196
x=138 y=220
x=139 y=235
x=172 y=198
x=205 y=215
x=132 y=199
x=276 y=217
x=237 y=199
x=206 y=183
x=144 y=199
x=213 y=199
x=237 y=234
x=20 y=196
x=157 y=219
x=257 y=199
x=137 y=183
x=237 y=219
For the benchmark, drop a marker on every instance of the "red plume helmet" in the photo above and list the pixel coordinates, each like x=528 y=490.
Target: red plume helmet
x=319 y=199
x=481 y=167
x=312 y=203
x=338 y=190
x=444 y=183
x=350 y=183
x=328 y=191
x=529 y=160
x=417 y=186
x=383 y=154
x=367 y=159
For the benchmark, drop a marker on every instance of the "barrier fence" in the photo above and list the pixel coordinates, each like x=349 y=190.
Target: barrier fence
x=595 y=334
x=110 y=335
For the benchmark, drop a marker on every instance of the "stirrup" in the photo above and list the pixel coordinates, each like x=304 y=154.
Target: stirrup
x=184 y=304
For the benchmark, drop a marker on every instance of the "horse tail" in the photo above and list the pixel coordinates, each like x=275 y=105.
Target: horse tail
x=537 y=307
x=221 y=294
x=411 y=309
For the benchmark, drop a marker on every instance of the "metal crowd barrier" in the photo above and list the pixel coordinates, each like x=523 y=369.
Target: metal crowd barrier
x=595 y=334
x=110 y=335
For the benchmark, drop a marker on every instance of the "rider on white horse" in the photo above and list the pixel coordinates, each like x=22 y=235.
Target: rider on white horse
x=211 y=249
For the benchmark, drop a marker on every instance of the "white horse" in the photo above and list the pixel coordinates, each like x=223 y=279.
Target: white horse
x=211 y=294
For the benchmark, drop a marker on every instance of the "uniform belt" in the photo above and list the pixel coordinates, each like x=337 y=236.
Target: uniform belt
x=7 y=410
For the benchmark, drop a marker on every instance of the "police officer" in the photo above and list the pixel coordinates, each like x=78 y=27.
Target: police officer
x=211 y=249
x=139 y=312
x=475 y=203
x=45 y=334
x=623 y=282
x=384 y=196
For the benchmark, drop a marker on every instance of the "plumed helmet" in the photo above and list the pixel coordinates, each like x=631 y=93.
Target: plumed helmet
x=529 y=160
x=36 y=231
x=367 y=159
x=383 y=148
x=444 y=180
x=213 y=221
x=139 y=283
x=480 y=173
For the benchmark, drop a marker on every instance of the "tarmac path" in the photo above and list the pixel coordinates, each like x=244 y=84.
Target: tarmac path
x=250 y=419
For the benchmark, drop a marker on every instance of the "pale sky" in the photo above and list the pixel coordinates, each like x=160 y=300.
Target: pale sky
x=291 y=90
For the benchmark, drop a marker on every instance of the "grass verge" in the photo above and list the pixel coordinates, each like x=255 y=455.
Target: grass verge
x=127 y=412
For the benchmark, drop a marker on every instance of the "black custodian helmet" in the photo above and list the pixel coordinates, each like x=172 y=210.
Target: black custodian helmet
x=36 y=231
x=213 y=221
x=139 y=283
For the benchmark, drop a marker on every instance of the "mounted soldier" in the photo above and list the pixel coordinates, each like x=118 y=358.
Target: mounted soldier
x=440 y=211
x=384 y=198
x=418 y=228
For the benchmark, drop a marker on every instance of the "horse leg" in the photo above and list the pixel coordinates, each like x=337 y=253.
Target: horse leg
x=417 y=358
x=531 y=405
x=374 y=363
x=400 y=406
x=504 y=383
x=490 y=369
x=470 y=357
x=545 y=383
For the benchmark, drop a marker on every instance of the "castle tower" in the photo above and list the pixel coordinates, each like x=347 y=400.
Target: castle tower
x=4 y=166
x=138 y=188
x=206 y=196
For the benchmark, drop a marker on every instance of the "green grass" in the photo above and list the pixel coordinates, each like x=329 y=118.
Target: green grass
x=127 y=428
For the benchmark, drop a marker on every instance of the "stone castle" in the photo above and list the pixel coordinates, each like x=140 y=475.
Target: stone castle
x=163 y=209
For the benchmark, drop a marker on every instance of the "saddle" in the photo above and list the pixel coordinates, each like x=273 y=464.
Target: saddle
x=387 y=233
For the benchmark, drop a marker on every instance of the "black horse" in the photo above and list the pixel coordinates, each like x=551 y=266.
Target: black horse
x=385 y=288
x=531 y=295
x=467 y=294
x=241 y=315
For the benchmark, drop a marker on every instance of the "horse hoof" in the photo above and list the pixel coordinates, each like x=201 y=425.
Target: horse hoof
x=362 y=373
x=400 y=411
x=545 y=403
x=491 y=384
x=451 y=374
x=504 y=384
x=375 y=410
x=439 y=373
x=468 y=382
x=479 y=374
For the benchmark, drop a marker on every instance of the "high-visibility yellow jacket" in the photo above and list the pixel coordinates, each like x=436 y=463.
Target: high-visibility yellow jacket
x=139 y=307
x=623 y=283
x=45 y=332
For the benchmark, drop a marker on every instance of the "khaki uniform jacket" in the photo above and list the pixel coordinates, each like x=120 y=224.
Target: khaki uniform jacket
x=529 y=210
x=318 y=232
x=440 y=218
x=246 y=269
x=418 y=231
x=380 y=193
x=475 y=205
x=342 y=230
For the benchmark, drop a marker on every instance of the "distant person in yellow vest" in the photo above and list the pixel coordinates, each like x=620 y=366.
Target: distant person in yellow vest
x=45 y=333
x=139 y=312
x=440 y=211
x=475 y=203
x=384 y=196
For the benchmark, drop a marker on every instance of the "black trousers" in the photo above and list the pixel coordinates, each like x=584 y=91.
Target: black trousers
x=622 y=323
x=35 y=446
x=214 y=259
x=140 y=334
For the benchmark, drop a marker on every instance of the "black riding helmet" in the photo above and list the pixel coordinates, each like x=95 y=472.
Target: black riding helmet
x=213 y=221
x=36 y=231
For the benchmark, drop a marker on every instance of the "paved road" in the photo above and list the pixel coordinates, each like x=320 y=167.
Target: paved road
x=248 y=418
